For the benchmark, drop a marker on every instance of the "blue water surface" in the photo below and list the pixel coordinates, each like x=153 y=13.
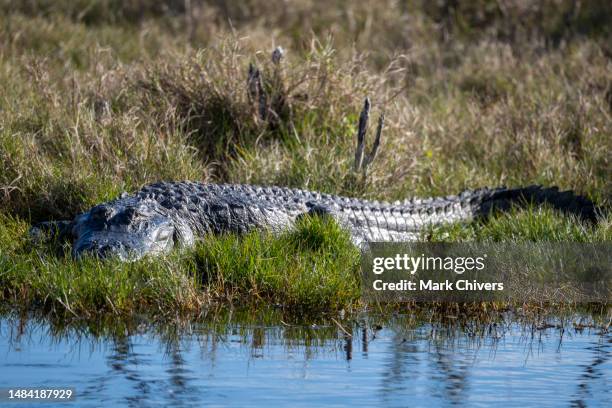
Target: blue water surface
x=250 y=364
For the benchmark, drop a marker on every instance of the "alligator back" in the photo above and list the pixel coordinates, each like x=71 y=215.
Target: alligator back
x=238 y=208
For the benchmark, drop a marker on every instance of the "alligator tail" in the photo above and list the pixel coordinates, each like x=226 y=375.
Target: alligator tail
x=486 y=201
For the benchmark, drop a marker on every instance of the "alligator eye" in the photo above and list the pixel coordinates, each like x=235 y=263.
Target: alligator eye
x=131 y=213
x=101 y=212
x=163 y=235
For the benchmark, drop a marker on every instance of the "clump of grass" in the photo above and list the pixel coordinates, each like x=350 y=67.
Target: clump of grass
x=207 y=95
x=314 y=267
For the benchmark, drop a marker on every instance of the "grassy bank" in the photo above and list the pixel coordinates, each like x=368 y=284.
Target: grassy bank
x=311 y=270
x=101 y=97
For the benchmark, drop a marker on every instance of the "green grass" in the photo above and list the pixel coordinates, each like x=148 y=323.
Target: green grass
x=100 y=97
x=529 y=225
x=314 y=268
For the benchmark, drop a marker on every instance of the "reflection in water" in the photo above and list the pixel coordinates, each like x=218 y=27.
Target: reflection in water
x=454 y=373
x=262 y=362
x=401 y=364
x=594 y=372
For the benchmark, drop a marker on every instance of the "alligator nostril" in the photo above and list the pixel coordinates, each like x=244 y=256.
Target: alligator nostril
x=106 y=250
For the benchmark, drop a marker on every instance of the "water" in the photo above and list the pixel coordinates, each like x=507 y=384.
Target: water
x=271 y=363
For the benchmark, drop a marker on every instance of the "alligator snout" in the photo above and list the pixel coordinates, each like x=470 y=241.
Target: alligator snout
x=104 y=250
x=126 y=229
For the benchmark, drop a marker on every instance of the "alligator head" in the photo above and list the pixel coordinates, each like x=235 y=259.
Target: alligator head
x=126 y=229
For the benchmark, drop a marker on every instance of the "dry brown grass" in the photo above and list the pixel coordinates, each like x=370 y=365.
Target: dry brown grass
x=101 y=99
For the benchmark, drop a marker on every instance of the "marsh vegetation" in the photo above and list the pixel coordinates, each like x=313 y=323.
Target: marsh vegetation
x=101 y=97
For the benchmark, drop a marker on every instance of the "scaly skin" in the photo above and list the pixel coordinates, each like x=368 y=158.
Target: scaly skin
x=163 y=215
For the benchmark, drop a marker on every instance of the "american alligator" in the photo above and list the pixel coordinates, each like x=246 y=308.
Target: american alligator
x=163 y=215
